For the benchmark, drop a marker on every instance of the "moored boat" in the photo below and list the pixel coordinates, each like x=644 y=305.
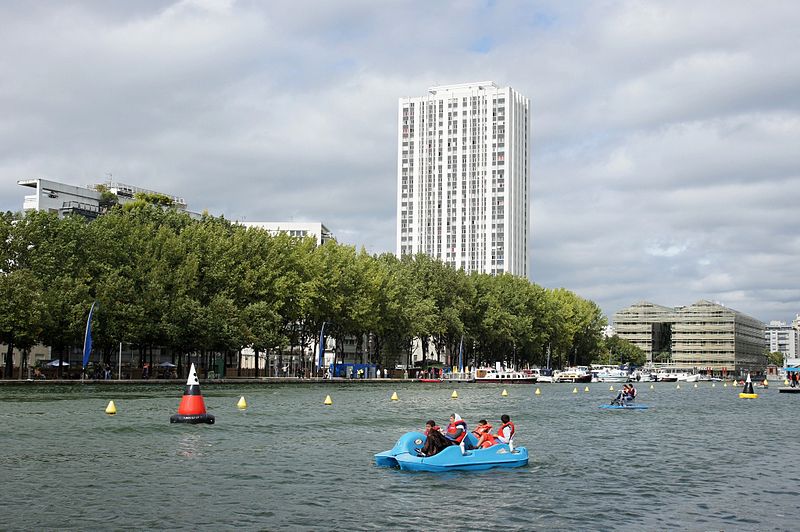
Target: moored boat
x=544 y=375
x=574 y=374
x=503 y=376
x=609 y=374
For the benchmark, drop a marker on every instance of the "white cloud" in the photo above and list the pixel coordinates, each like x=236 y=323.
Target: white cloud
x=664 y=135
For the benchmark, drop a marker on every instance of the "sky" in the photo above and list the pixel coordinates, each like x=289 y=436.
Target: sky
x=665 y=149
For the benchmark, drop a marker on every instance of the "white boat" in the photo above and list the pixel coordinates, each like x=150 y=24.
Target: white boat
x=575 y=374
x=609 y=374
x=643 y=376
x=503 y=376
x=542 y=374
x=664 y=375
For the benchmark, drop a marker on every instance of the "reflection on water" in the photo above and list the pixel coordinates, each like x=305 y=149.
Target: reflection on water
x=191 y=446
x=698 y=459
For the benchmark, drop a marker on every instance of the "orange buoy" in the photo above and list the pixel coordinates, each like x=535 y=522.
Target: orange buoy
x=192 y=408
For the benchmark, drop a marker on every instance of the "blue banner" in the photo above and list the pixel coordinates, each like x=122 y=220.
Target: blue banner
x=87 y=339
x=322 y=345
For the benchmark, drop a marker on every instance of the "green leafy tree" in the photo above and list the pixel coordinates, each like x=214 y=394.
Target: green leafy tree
x=620 y=351
x=775 y=358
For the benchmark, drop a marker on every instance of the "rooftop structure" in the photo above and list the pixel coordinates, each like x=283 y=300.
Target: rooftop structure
x=63 y=199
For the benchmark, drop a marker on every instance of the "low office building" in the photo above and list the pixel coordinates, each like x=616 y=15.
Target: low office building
x=704 y=337
x=316 y=230
x=89 y=201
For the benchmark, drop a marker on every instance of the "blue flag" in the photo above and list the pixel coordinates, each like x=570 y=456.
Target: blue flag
x=87 y=340
x=322 y=345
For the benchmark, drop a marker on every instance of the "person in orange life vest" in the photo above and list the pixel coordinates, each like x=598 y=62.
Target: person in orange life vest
x=506 y=432
x=485 y=438
x=482 y=428
x=456 y=430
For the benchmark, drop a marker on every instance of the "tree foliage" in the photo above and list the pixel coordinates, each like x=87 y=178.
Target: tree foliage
x=209 y=286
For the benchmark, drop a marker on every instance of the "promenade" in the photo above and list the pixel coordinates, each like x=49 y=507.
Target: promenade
x=205 y=382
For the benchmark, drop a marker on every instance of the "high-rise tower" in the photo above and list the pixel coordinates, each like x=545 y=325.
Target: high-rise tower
x=462 y=177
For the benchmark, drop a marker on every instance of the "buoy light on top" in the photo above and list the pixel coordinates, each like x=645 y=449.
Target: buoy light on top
x=192 y=408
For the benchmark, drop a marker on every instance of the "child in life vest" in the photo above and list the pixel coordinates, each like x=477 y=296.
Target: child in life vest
x=504 y=434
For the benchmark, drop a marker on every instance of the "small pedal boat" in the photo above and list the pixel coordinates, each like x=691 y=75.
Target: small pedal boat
x=625 y=407
x=404 y=455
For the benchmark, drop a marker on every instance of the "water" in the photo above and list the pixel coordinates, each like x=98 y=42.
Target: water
x=699 y=459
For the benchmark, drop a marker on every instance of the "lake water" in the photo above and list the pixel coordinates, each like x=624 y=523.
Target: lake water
x=698 y=459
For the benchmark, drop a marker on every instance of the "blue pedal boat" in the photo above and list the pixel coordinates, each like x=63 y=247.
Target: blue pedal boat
x=624 y=407
x=404 y=455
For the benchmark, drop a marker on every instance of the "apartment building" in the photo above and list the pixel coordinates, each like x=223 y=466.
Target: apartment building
x=463 y=177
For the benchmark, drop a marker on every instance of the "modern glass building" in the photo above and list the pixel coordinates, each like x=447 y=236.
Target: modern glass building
x=704 y=337
x=462 y=177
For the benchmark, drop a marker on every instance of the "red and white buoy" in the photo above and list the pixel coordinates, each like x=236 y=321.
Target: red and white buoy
x=192 y=408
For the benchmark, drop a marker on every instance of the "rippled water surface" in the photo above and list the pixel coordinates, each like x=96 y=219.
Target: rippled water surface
x=698 y=459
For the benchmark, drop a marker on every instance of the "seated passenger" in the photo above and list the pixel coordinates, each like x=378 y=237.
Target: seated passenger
x=621 y=395
x=506 y=432
x=434 y=443
x=430 y=426
x=457 y=433
x=629 y=395
x=482 y=432
x=482 y=428
x=457 y=429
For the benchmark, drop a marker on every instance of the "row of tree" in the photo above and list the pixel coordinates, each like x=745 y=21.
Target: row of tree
x=210 y=286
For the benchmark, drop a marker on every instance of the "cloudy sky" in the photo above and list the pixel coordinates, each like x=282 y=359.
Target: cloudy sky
x=666 y=135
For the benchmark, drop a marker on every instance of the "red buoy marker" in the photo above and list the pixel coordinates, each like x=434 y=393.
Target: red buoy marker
x=192 y=408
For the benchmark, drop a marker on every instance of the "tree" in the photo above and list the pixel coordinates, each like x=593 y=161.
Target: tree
x=621 y=351
x=775 y=358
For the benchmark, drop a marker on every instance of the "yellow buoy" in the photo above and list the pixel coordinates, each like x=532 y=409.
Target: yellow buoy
x=713 y=384
x=695 y=385
x=743 y=395
x=678 y=387
x=111 y=409
x=786 y=382
x=586 y=389
x=242 y=404
x=504 y=393
x=394 y=396
x=575 y=390
x=652 y=387
x=328 y=400
x=537 y=392
x=766 y=383
x=724 y=384
x=610 y=388
x=454 y=395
